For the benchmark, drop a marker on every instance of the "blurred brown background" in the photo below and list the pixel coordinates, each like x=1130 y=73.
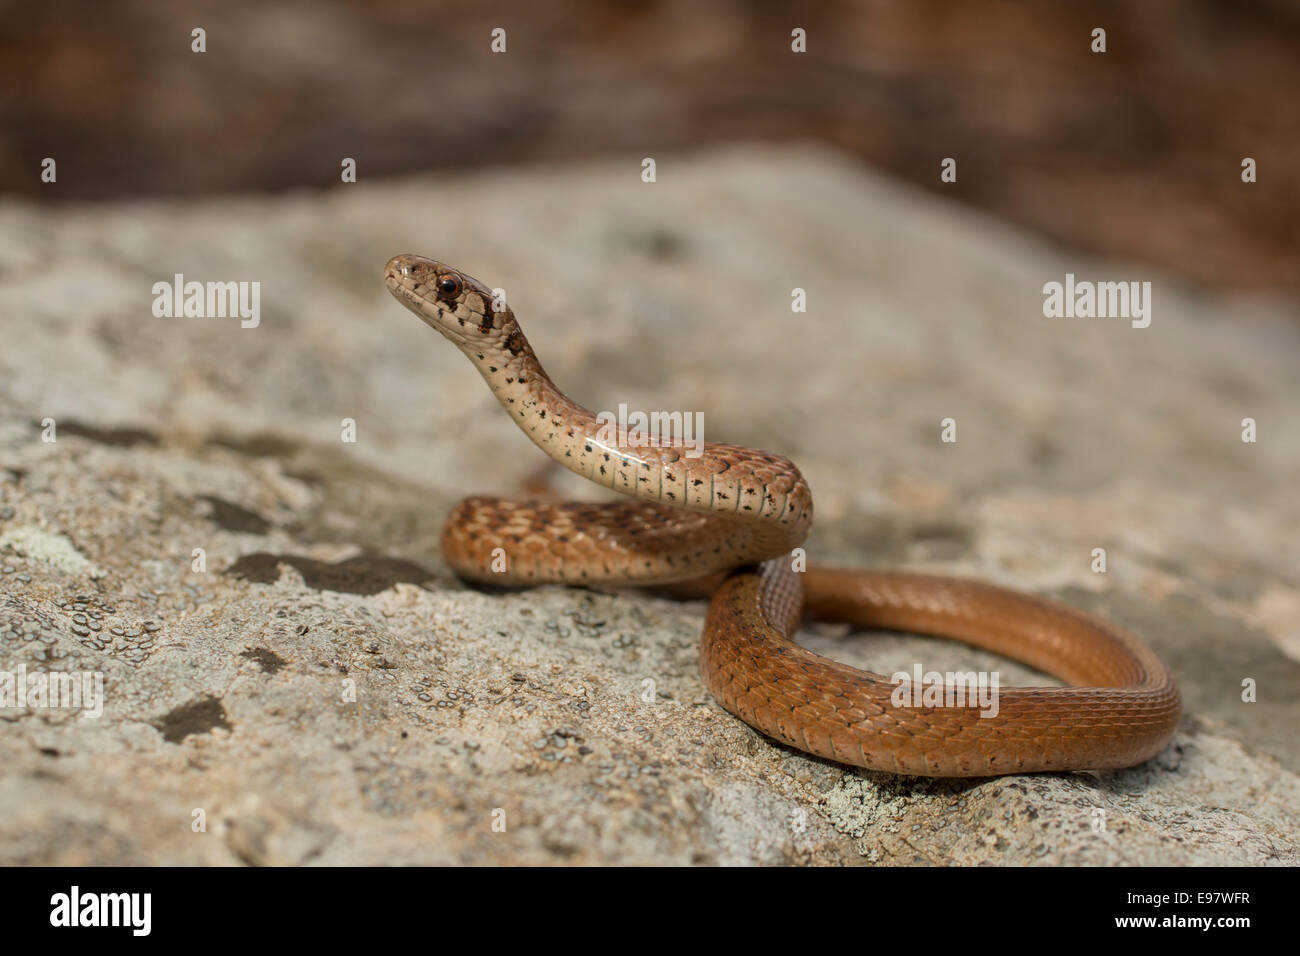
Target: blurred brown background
x=1135 y=153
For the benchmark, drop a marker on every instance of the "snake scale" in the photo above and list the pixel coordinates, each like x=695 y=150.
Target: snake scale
x=728 y=520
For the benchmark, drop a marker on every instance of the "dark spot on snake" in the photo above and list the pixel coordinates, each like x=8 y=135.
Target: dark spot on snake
x=491 y=368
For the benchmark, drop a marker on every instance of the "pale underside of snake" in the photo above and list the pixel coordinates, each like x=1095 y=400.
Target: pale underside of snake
x=728 y=520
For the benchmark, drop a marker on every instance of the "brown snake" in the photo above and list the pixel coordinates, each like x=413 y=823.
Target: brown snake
x=741 y=511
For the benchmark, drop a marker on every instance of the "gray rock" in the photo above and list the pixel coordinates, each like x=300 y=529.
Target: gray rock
x=326 y=692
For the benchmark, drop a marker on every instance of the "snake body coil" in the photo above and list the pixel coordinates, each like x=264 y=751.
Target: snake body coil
x=741 y=511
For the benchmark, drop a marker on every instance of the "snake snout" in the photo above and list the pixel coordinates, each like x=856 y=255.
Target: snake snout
x=397 y=267
x=431 y=290
x=413 y=280
x=409 y=267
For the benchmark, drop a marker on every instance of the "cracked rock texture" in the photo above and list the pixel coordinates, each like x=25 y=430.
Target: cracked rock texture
x=291 y=675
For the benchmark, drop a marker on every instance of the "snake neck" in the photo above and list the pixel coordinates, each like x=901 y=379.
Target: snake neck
x=763 y=493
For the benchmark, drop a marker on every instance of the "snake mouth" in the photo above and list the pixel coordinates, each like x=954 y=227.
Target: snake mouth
x=410 y=278
x=411 y=281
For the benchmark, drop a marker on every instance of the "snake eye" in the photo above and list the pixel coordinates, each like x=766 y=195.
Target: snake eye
x=449 y=286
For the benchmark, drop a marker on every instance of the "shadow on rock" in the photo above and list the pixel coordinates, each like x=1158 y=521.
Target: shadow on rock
x=367 y=574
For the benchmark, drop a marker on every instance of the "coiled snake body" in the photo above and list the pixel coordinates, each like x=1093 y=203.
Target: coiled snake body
x=739 y=511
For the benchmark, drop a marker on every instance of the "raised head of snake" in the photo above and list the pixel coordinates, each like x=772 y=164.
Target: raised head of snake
x=463 y=309
x=762 y=495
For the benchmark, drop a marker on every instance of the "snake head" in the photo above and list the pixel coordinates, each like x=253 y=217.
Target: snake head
x=463 y=309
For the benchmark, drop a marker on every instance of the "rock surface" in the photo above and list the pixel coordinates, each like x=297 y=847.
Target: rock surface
x=324 y=691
